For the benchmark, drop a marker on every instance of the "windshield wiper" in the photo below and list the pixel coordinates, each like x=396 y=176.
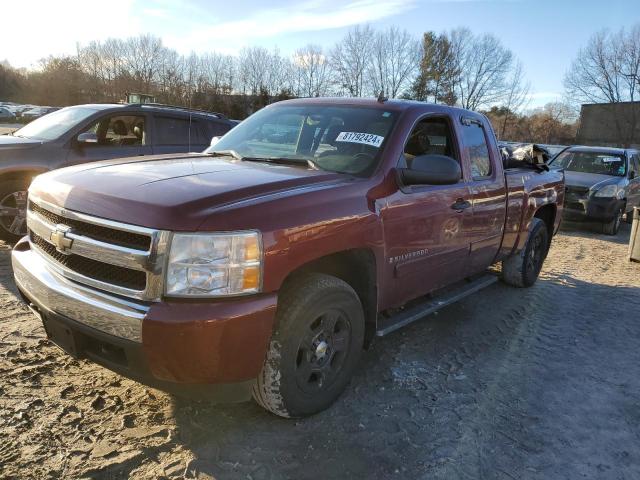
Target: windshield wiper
x=284 y=161
x=227 y=153
x=279 y=160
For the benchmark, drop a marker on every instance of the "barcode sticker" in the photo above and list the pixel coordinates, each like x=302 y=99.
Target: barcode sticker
x=364 y=138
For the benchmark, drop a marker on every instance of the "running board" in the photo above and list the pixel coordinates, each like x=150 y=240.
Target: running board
x=410 y=315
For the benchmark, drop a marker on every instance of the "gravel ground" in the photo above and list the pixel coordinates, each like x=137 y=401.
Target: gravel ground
x=508 y=384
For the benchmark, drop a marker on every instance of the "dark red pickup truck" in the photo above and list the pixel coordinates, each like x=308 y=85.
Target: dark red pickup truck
x=267 y=263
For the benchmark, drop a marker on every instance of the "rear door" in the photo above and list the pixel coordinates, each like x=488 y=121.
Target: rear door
x=119 y=135
x=488 y=192
x=425 y=226
x=178 y=134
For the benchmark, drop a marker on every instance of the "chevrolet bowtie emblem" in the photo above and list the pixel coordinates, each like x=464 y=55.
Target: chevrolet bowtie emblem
x=60 y=240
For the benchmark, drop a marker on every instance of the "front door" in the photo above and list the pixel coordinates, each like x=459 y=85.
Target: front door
x=119 y=135
x=425 y=227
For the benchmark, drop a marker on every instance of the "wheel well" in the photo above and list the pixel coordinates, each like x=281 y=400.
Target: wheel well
x=547 y=214
x=20 y=175
x=357 y=267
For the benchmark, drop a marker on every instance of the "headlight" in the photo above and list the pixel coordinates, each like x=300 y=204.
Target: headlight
x=213 y=265
x=611 y=191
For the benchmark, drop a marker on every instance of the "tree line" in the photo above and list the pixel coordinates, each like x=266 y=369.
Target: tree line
x=458 y=67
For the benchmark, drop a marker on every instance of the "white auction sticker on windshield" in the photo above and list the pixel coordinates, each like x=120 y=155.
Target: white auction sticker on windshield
x=611 y=159
x=364 y=138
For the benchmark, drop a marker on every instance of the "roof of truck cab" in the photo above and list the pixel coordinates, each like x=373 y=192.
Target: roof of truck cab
x=394 y=104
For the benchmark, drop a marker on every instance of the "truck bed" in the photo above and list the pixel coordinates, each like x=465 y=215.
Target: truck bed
x=526 y=188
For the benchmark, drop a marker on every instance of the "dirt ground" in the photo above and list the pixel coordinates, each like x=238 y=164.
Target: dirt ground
x=509 y=384
x=8 y=128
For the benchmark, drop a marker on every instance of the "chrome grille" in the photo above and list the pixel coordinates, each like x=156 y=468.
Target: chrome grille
x=103 y=234
x=110 y=256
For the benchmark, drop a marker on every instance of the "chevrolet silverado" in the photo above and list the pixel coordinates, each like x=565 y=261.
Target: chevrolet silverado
x=267 y=263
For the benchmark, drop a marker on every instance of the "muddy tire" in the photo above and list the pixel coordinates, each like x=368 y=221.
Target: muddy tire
x=612 y=227
x=315 y=348
x=13 y=210
x=522 y=269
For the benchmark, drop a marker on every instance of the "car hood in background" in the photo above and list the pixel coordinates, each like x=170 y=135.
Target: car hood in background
x=588 y=180
x=168 y=191
x=9 y=141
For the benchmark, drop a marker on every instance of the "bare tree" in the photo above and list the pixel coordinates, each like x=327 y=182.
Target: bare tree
x=311 y=71
x=607 y=70
x=516 y=97
x=351 y=60
x=483 y=65
x=395 y=59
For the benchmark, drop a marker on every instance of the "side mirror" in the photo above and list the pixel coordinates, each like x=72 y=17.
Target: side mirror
x=214 y=140
x=431 y=170
x=88 y=137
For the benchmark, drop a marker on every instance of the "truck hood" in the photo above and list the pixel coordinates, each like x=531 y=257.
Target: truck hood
x=169 y=192
x=11 y=142
x=588 y=180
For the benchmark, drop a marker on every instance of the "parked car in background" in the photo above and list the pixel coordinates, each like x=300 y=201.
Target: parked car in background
x=602 y=184
x=37 y=112
x=6 y=115
x=265 y=264
x=18 y=110
x=86 y=133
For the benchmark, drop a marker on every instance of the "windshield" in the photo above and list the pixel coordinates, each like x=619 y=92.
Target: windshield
x=52 y=125
x=339 y=139
x=591 y=162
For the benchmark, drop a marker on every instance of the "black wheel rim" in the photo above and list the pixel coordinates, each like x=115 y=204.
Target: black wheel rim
x=536 y=254
x=322 y=352
x=13 y=213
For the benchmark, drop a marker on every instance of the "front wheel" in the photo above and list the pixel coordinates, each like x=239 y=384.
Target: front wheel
x=13 y=210
x=315 y=348
x=522 y=269
x=611 y=227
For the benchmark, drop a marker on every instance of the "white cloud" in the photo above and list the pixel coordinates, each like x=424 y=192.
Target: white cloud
x=309 y=16
x=540 y=99
x=38 y=28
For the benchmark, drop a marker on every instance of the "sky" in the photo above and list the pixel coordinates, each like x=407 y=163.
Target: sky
x=544 y=34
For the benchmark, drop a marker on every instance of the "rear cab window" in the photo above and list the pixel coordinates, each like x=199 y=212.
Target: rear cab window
x=475 y=144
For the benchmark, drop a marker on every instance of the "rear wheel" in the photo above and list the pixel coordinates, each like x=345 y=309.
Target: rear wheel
x=13 y=210
x=612 y=227
x=522 y=269
x=315 y=348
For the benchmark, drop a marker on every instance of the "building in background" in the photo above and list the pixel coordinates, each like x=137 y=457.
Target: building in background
x=610 y=125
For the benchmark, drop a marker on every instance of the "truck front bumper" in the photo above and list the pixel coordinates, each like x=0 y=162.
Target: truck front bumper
x=191 y=343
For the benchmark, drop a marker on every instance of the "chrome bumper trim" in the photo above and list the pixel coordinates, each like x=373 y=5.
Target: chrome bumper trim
x=49 y=290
